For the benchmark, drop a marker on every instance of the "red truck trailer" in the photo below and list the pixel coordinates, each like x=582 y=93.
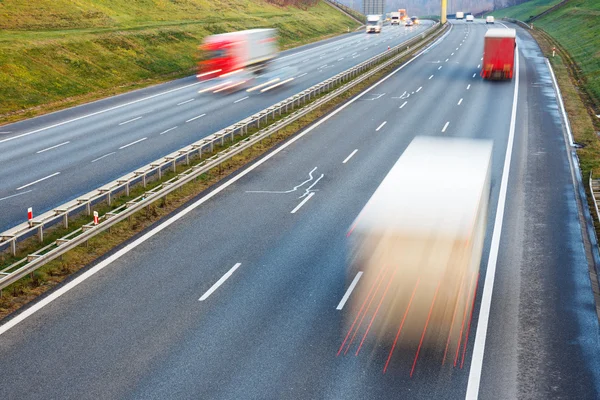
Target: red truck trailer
x=499 y=54
x=227 y=53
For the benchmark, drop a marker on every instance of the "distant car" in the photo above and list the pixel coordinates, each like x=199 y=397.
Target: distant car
x=415 y=20
x=489 y=19
x=470 y=18
x=409 y=22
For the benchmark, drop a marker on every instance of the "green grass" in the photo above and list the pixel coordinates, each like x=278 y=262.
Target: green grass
x=525 y=10
x=57 y=53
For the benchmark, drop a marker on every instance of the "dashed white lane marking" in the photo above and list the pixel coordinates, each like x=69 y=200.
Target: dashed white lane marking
x=39 y=180
x=431 y=77
x=302 y=202
x=479 y=66
x=184 y=102
x=15 y=195
x=457 y=48
x=440 y=67
x=132 y=143
x=460 y=101
x=446 y=60
x=452 y=54
x=403 y=104
x=199 y=116
x=104 y=156
x=349 y=291
x=349 y=157
x=380 y=126
x=474 y=75
x=242 y=99
x=445 y=126
x=168 y=130
x=468 y=86
x=131 y=120
x=219 y=282
x=52 y=147
x=300 y=76
x=420 y=87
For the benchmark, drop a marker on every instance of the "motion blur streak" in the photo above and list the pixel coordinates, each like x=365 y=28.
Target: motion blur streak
x=276 y=85
x=252 y=89
x=452 y=323
x=400 y=327
x=469 y=326
x=463 y=322
x=425 y=329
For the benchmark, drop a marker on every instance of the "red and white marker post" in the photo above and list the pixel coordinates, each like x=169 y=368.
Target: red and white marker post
x=95 y=217
x=29 y=214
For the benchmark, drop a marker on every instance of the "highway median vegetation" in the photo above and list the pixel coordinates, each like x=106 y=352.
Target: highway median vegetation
x=54 y=272
x=59 y=53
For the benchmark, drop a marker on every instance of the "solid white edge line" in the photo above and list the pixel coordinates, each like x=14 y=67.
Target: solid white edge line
x=106 y=155
x=39 y=180
x=132 y=143
x=98 y=112
x=349 y=157
x=490 y=274
x=199 y=116
x=380 y=126
x=131 y=120
x=219 y=282
x=53 y=147
x=445 y=126
x=115 y=256
x=242 y=99
x=307 y=198
x=561 y=104
x=15 y=195
x=349 y=291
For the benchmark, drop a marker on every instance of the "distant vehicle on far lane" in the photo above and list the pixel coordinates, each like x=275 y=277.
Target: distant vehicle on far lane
x=489 y=19
x=470 y=18
x=460 y=15
x=408 y=22
x=415 y=20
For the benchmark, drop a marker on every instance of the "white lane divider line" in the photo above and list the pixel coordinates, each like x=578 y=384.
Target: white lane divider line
x=350 y=156
x=440 y=67
x=132 y=143
x=168 y=130
x=219 y=282
x=474 y=75
x=301 y=75
x=446 y=60
x=15 y=195
x=192 y=119
x=490 y=274
x=184 y=102
x=131 y=120
x=479 y=66
x=468 y=86
x=104 y=156
x=39 y=180
x=349 y=291
x=457 y=48
x=460 y=101
x=242 y=99
x=431 y=77
x=403 y=104
x=340 y=59
x=451 y=54
x=302 y=203
x=380 y=126
x=445 y=126
x=420 y=87
x=53 y=147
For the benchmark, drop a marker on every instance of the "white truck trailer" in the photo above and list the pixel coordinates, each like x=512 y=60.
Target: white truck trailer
x=419 y=242
x=395 y=18
x=374 y=23
x=460 y=15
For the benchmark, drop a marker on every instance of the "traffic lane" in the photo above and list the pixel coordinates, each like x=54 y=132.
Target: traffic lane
x=61 y=159
x=543 y=332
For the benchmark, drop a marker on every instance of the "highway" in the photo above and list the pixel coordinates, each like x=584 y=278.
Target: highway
x=239 y=295
x=56 y=158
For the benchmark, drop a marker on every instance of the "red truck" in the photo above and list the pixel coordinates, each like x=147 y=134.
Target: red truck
x=499 y=54
x=227 y=53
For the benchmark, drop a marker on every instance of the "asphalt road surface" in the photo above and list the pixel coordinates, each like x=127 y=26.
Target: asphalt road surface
x=52 y=159
x=237 y=296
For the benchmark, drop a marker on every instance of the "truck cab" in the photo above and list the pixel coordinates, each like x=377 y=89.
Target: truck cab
x=374 y=24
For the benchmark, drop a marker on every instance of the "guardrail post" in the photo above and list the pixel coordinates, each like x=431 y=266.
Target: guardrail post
x=88 y=208
x=66 y=220
x=13 y=246
x=108 y=198
x=41 y=232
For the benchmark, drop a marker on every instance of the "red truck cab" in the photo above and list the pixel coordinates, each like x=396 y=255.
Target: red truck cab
x=499 y=54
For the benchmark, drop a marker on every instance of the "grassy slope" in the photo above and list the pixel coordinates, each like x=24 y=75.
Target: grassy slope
x=524 y=11
x=56 y=53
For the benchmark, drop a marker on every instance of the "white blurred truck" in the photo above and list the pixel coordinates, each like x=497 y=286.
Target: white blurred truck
x=460 y=15
x=395 y=18
x=374 y=23
x=421 y=237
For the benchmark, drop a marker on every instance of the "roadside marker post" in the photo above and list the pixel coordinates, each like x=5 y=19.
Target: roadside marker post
x=95 y=217
x=30 y=215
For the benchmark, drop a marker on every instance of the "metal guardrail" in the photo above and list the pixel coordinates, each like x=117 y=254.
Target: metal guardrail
x=518 y=22
x=354 y=14
x=595 y=190
x=305 y=100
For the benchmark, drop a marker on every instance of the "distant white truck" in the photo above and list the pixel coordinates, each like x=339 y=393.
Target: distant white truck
x=374 y=23
x=421 y=236
x=460 y=15
x=395 y=18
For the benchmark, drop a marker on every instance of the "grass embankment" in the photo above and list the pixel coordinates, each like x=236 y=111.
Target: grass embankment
x=51 y=274
x=524 y=11
x=58 y=53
